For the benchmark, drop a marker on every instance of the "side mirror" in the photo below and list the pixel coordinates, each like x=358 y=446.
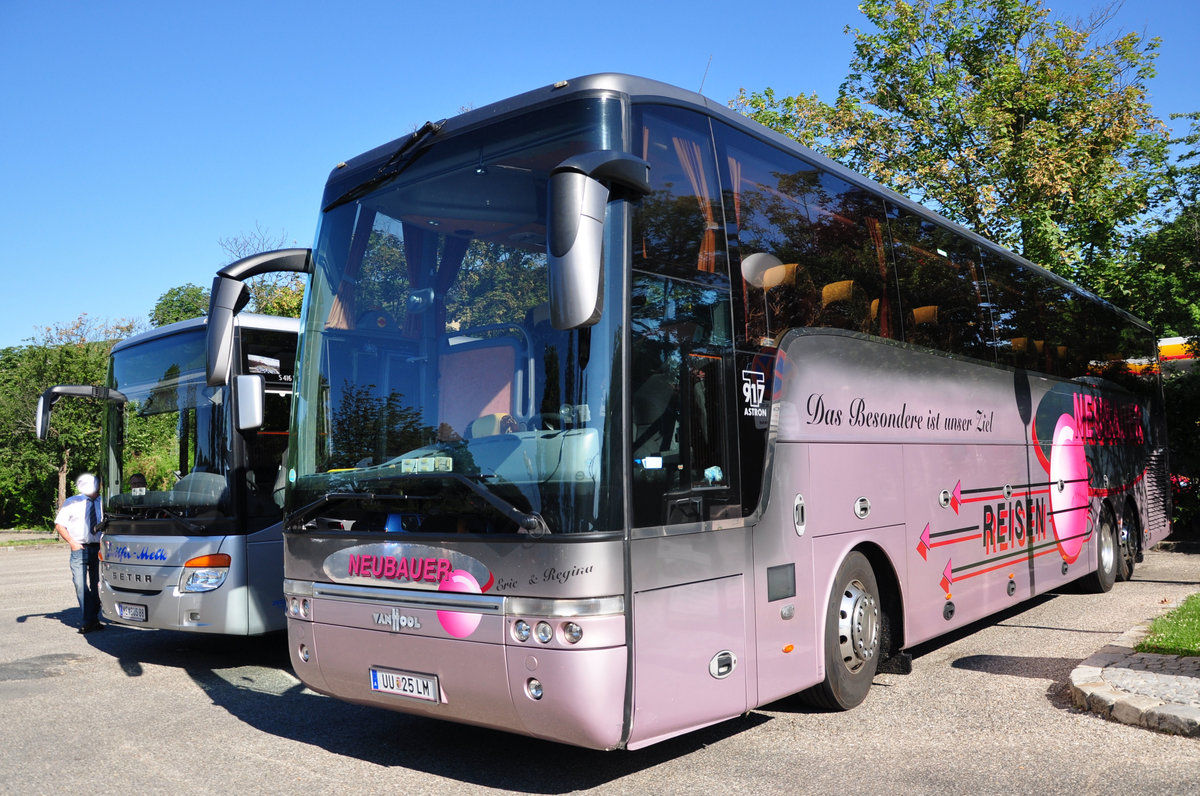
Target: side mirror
x=229 y=297
x=49 y=398
x=579 y=190
x=248 y=401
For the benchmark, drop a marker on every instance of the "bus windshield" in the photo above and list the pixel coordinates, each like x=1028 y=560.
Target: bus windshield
x=437 y=396
x=173 y=447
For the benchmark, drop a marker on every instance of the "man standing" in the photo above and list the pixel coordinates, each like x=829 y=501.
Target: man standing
x=77 y=523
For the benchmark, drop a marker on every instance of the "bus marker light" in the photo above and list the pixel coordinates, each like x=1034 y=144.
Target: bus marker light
x=533 y=687
x=214 y=560
x=545 y=633
x=788 y=648
x=572 y=632
x=521 y=630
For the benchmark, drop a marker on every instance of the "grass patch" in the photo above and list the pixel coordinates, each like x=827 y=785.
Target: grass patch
x=1176 y=632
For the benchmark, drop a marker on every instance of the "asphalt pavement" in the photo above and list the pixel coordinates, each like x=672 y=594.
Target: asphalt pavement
x=988 y=708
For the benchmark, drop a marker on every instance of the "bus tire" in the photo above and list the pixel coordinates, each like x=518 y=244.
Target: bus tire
x=1107 y=554
x=1128 y=543
x=853 y=630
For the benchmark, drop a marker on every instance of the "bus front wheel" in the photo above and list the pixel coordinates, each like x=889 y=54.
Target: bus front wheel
x=853 y=626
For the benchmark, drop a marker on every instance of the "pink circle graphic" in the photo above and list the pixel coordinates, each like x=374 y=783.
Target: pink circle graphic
x=1068 y=465
x=457 y=623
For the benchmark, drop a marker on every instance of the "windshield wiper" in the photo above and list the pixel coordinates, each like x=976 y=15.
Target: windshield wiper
x=389 y=170
x=530 y=522
x=146 y=512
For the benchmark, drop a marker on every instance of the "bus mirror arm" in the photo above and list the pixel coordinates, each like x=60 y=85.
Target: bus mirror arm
x=49 y=398
x=579 y=191
x=229 y=297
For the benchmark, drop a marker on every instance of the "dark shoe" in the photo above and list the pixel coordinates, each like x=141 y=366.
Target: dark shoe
x=91 y=627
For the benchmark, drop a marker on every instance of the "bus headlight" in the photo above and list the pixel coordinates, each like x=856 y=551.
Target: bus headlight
x=545 y=633
x=521 y=630
x=204 y=573
x=572 y=632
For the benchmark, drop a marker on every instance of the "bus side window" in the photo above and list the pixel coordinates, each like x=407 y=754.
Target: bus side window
x=681 y=357
x=680 y=314
x=941 y=288
x=810 y=246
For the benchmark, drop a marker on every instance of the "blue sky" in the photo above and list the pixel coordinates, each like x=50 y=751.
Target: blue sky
x=135 y=135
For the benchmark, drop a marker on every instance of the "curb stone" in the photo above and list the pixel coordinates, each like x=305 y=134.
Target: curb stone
x=1175 y=677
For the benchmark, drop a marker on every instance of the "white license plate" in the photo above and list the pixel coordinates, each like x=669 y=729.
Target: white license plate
x=131 y=613
x=405 y=684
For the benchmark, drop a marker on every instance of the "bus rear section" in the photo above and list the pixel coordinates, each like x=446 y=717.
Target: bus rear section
x=193 y=501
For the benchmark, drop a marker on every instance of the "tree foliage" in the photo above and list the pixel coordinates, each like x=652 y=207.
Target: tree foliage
x=1158 y=278
x=1033 y=132
x=271 y=294
x=180 y=304
x=34 y=475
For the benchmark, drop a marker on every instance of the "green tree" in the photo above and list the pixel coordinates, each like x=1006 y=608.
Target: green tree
x=1033 y=132
x=271 y=294
x=1159 y=278
x=34 y=474
x=180 y=304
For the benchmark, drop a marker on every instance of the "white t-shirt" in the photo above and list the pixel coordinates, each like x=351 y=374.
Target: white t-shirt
x=72 y=516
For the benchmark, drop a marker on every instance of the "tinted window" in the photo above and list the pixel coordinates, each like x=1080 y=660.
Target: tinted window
x=941 y=287
x=810 y=246
x=678 y=228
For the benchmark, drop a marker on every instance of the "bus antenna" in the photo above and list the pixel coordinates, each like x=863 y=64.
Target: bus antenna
x=701 y=91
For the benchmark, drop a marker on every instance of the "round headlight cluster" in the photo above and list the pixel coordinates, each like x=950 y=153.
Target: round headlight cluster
x=298 y=606
x=544 y=632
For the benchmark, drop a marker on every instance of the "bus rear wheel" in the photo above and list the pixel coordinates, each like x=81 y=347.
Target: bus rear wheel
x=1107 y=554
x=853 y=626
x=1128 y=543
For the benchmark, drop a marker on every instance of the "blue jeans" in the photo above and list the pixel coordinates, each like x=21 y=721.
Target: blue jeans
x=85 y=573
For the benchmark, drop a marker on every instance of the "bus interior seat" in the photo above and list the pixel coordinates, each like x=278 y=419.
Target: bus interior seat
x=653 y=416
x=923 y=328
x=844 y=306
x=201 y=488
x=375 y=319
x=491 y=425
x=476 y=379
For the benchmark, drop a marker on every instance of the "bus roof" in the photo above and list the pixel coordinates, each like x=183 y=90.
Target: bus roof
x=246 y=319
x=645 y=90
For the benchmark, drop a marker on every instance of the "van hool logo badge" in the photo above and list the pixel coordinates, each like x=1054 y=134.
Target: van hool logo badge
x=415 y=566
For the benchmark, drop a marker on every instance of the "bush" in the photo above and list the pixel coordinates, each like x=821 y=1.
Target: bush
x=1181 y=392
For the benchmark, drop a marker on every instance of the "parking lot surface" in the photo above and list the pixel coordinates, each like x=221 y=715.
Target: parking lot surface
x=987 y=710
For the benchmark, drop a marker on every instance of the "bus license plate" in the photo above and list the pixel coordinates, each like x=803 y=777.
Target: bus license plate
x=131 y=613
x=405 y=684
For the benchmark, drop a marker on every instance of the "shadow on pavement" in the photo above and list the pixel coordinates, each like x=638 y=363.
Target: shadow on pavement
x=251 y=678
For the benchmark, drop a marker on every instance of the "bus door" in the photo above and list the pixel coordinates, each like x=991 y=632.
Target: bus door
x=690 y=547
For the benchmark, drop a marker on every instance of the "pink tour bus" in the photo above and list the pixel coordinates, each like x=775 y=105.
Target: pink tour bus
x=618 y=415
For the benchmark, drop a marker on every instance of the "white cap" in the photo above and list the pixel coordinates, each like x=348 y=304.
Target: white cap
x=87 y=485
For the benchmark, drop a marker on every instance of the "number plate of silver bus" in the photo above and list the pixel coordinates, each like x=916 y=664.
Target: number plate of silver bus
x=405 y=684
x=131 y=613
